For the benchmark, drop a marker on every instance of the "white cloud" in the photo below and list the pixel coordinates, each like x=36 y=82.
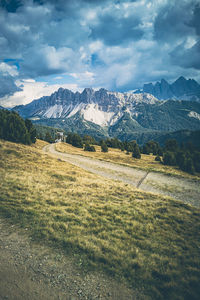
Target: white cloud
x=6 y=69
x=33 y=90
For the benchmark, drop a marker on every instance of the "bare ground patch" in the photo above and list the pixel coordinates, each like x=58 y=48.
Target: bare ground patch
x=33 y=271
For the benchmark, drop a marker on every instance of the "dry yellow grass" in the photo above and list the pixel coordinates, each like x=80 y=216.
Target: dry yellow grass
x=39 y=144
x=147 y=162
x=149 y=240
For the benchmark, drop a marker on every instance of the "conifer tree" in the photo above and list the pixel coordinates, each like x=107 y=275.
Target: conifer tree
x=104 y=147
x=89 y=147
x=31 y=130
x=136 y=152
x=48 y=138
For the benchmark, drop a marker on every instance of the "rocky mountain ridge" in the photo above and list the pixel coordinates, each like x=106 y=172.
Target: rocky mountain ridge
x=181 y=89
x=103 y=114
x=100 y=107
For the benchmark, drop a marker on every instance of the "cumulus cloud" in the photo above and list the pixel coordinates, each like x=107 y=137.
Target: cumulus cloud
x=115 y=26
x=119 y=45
x=6 y=69
x=187 y=57
x=172 y=22
x=32 y=90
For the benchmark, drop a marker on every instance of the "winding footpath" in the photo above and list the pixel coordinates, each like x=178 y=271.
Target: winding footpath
x=184 y=189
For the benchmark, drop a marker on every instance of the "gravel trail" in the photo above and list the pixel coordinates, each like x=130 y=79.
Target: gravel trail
x=184 y=189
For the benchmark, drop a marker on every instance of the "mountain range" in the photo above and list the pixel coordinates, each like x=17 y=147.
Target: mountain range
x=181 y=89
x=102 y=113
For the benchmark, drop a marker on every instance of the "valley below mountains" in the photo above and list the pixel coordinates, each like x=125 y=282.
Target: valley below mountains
x=102 y=114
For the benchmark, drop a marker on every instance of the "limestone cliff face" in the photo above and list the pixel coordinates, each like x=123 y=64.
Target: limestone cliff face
x=101 y=107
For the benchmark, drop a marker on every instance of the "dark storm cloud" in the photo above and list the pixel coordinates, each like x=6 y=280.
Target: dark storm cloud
x=172 y=21
x=115 y=29
x=7 y=86
x=10 y=5
x=187 y=58
x=195 y=22
x=179 y=26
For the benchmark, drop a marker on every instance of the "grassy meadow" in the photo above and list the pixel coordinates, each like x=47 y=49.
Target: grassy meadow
x=149 y=241
x=147 y=162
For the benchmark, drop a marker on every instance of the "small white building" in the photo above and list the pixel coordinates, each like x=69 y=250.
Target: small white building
x=60 y=136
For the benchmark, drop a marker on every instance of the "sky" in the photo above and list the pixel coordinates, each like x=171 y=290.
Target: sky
x=118 y=45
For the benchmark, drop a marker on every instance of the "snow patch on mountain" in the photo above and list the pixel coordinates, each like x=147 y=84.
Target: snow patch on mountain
x=129 y=98
x=54 y=111
x=94 y=114
x=194 y=114
x=75 y=109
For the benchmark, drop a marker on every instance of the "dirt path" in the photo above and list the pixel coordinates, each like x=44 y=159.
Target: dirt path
x=186 y=190
x=32 y=271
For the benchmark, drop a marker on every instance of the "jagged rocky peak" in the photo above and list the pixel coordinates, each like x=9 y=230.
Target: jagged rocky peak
x=87 y=96
x=182 y=89
x=183 y=86
x=101 y=107
x=62 y=95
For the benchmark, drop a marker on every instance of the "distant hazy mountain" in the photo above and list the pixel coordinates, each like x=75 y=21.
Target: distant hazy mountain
x=181 y=89
x=103 y=113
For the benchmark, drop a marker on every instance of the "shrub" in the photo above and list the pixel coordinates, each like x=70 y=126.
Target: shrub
x=104 y=147
x=31 y=129
x=189 y=167
x=145 y=149
x=196 y=161
x=181 y=159
x=136 y=152
x=88 y=147
x=169 y=158
x=48 y=138
x=171 y=145
x=75 y=140
x=157 y=158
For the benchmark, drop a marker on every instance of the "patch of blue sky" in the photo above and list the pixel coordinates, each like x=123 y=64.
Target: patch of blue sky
x=12 y=61
x=96 y=61
x=57 y=79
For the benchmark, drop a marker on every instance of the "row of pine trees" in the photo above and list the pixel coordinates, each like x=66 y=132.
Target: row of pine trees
x=15 y=129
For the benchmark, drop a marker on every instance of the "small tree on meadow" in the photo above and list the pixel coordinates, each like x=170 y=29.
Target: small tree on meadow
x=31 y=129
x=169 y=158
x=89 y=147
x=104 y=147
x=189 y=167
x=196 y=161
x=157 y=158
x=136 y=152
x=48 y=138
x=145 y=149
x=171 y=145
x=77 y=141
